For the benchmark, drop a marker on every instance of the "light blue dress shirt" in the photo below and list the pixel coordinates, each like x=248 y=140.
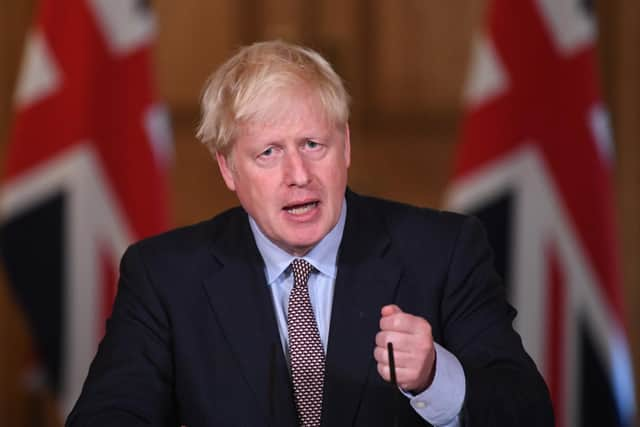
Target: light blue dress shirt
x=440 y=404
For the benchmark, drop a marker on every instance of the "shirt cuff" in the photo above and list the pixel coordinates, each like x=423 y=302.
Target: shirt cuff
x=440 y=404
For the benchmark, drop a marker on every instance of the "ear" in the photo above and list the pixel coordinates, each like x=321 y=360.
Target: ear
x=226 y=170
x=347 y=145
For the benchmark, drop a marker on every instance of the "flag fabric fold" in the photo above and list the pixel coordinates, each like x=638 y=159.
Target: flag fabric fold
x=535 y=162
x=86 y=174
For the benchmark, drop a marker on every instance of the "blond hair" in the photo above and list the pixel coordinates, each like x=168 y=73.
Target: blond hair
x=244 y=87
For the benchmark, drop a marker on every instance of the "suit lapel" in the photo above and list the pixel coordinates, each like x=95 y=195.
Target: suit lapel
x=238 y=294
x=241 y=301
x=367 y=280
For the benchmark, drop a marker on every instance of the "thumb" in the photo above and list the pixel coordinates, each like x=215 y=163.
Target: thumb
x=390 y=309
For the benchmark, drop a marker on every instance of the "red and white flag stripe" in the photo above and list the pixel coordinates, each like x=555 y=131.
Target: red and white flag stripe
x=86 y=173
x=536 y=134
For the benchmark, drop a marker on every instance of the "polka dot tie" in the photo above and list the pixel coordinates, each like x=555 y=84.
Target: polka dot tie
x=305 y=348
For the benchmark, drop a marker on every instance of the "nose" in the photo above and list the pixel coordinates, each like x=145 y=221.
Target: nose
x=296 y=170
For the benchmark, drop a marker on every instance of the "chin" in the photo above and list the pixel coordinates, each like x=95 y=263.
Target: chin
x=303 y=239
x=302 y=247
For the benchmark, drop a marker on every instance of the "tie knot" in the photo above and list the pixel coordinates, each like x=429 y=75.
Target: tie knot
x=301 y=271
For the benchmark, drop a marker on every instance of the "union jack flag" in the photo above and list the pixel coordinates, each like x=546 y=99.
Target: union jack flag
x=535 y=164
x=86 y=174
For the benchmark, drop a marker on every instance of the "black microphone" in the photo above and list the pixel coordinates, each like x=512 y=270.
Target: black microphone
x=394 y=383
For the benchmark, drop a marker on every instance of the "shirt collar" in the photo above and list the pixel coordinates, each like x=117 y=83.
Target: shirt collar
x=322 y=256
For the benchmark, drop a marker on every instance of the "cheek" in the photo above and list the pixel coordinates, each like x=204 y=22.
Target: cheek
x=337 y=176
x=258 y=190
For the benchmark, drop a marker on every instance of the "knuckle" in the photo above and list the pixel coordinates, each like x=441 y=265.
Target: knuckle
x=424 y=345
x=386 y=323
x=397 y=321
x=382 y=370
x=378 y=354
x=425 y=326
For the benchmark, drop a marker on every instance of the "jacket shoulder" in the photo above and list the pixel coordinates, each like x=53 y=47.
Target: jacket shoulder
x=403 y=217
x=185 y=242
x=414 y=231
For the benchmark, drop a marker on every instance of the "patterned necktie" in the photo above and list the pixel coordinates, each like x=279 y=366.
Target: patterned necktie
x=305 y=348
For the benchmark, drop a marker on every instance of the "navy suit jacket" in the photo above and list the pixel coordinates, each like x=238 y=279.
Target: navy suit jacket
x=193 y=338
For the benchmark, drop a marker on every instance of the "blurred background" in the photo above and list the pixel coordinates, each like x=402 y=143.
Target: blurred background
x=405 y=64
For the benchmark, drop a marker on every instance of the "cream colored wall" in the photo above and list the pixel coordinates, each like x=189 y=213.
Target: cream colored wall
x=403 y=61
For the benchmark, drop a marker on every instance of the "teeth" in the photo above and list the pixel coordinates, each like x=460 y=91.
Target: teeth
x=301 y=209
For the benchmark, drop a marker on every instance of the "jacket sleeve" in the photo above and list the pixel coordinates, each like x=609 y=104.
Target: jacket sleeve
x=503 y=385
x=130 y=381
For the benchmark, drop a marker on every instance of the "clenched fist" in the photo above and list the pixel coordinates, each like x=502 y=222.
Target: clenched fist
x=413 y=349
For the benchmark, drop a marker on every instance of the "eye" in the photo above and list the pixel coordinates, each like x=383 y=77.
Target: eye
x=313 y=149
x=311 y=144
x=267 y=153
x=269 y=156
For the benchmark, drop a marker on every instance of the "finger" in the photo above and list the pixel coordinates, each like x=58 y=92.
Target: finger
x=407 y=323
x=381 y=355
x=401 y=341
x=401 y=359
x=390 y=309
x=395 y=322
x=384 y=371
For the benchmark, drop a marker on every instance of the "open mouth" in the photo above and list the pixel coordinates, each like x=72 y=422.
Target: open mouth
x=300 y=209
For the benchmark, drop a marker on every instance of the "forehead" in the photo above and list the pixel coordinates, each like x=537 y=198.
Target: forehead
x=290 y=110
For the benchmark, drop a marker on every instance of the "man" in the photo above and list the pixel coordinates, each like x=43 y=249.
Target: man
x=280 y=312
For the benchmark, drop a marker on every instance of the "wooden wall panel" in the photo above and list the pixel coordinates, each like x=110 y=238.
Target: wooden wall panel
x=419 y=52
x=623 y=86
x=194 y=37
x=413 y=169
x=15 y=349
x=198 y=190
x=14 y=19
x=337 y=33
x=282 y=19
x=403 y=62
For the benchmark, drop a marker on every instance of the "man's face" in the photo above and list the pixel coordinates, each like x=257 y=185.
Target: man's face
x=290 y=174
